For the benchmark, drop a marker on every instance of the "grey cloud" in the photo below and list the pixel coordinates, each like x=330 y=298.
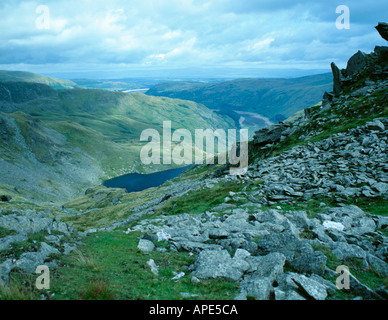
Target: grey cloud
x=187 y=32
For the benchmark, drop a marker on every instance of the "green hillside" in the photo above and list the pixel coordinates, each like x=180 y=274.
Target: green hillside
x=77 y=137
x=35 y=78
x=276 y=99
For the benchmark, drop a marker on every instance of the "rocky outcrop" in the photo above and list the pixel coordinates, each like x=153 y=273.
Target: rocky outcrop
x=337 y=79
x=356 y=63
x=269 y=135
x=25 y=224
x=344 y=166
x=255 y=248
x=373 y=64
x=382 y=28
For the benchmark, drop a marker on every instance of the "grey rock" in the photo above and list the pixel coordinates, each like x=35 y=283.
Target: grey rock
x=381 y=187
x=30 y=260
x=53 y=239
x=344 y=250
x=364 y=225
x=308 y=261
x=258 y=289
x=178 y=276
x=7 y=241
x=195 y=280
x=299 y=219
x=299 y=254
x=382 y=292
x=356 y=63
x=250 y=246
x=287 y=295
x=192 y=246
x=379 y=266
x=330 y=287
x=268 y=266
x=60 y=227
x=382 y=222
x=67 y=248
x=188 y=295
x=241 y=254
x=153 y=267
x=382 y=28
x=217 y=233
x=145 y=245
x=375 y=125
x=5 y=269
x=212 y=264
x=312 y=288
x=340 y=214
x=287 y=289
x=268 y=135
x=25 y=223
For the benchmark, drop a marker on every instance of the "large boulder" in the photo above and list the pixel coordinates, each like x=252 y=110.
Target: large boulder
x=258 y=289
x=310 y=287
x=145 y=245
x=299 y=254
x=268 y=266
x=212 y=264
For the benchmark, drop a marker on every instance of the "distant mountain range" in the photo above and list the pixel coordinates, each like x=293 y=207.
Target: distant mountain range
x=275 y=99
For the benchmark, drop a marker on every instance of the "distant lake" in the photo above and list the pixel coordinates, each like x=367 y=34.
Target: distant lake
x=134 y=182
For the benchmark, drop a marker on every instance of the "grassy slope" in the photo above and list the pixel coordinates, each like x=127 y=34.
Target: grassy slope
x=36 y=78
x=100 y=127
x=109 y=266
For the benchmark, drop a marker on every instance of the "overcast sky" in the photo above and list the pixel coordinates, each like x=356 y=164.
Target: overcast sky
x=124 y=35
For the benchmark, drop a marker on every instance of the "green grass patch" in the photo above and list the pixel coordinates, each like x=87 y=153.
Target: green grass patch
x=198 y=201
x=112 y=267
x=376 y=206
x=5 y=232
x=21 y=286
x=32 y=244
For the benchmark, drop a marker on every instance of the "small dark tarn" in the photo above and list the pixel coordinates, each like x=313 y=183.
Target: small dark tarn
x=5 y=198
x=134 y=182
